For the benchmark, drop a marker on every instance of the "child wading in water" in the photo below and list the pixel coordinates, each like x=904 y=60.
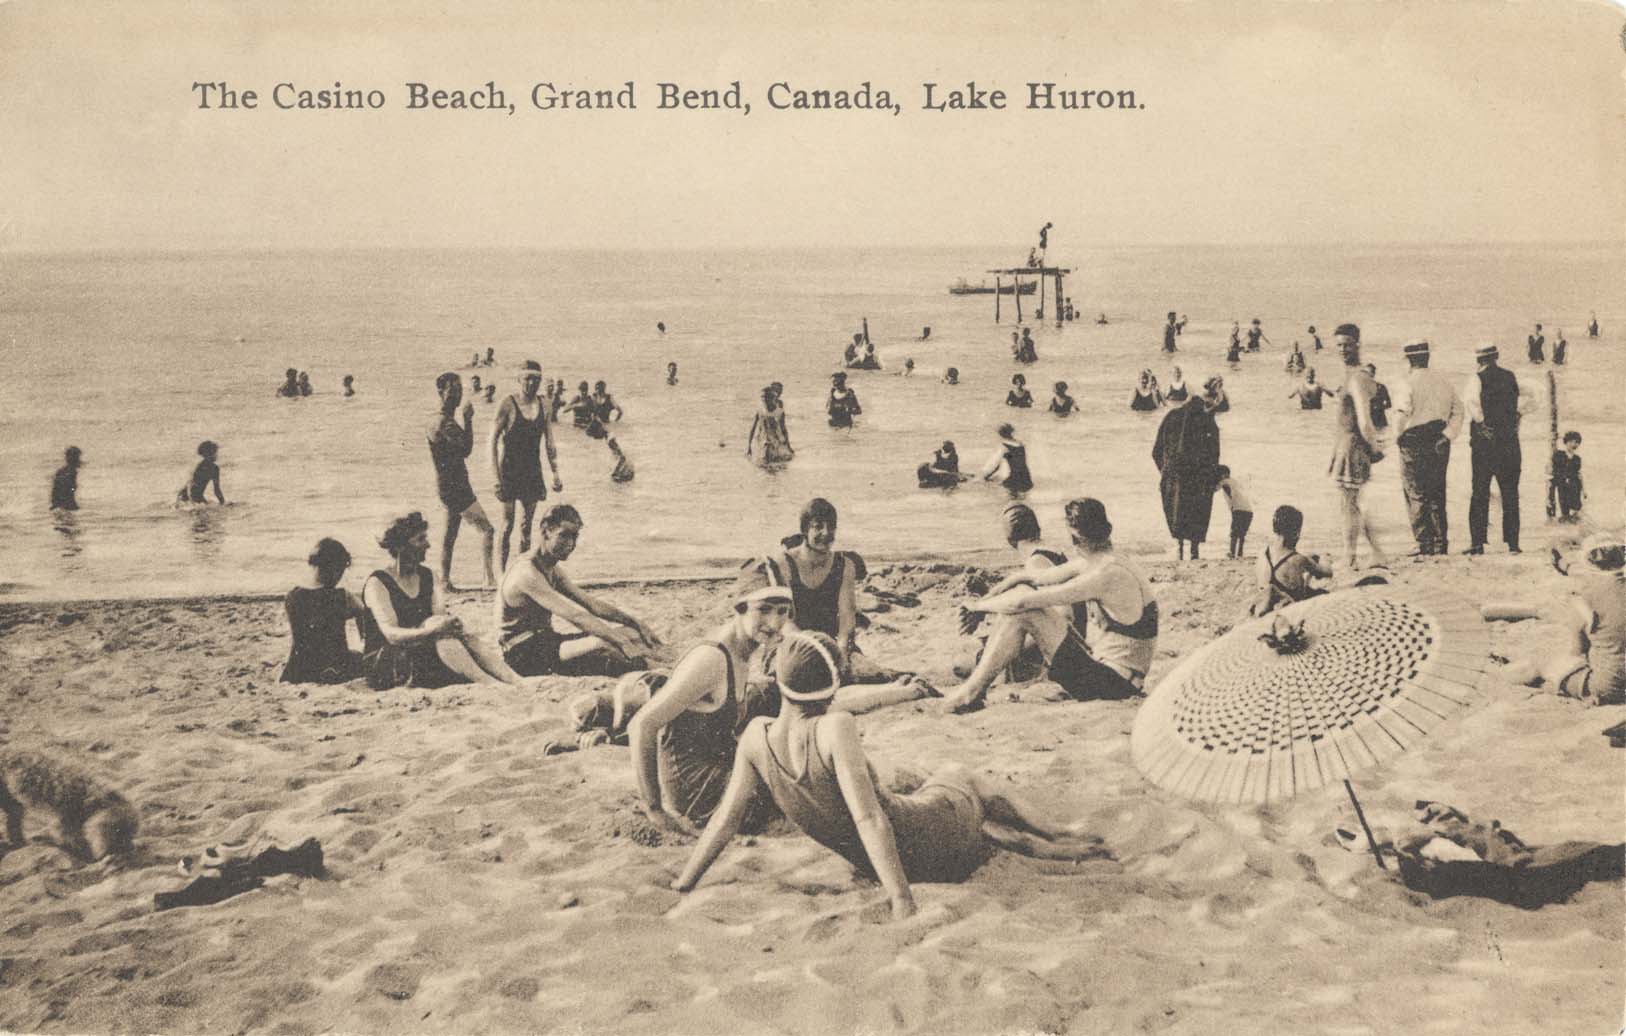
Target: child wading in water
x=1566 y=491
x=205 y=474
x=1284 y=573
x=1241 y=509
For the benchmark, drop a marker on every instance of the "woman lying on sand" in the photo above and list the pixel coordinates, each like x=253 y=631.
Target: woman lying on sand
x=408 y=637
x=1588 y=659
x=810 y=762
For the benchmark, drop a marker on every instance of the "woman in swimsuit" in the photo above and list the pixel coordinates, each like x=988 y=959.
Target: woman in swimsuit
x=1019 y=396
x=842 y=406
x=1214 y=396
x=683 y=738
x=810 y=763
x=943 y=470
x=581 y=407
x=206 y=473
x=775 y=438
x=449 y=447
x=320 y=652
x=1012 y=459
x=408 y=637
x=1177 y=392
x=1146 y=396
x=605 y=408
x=1061 y=404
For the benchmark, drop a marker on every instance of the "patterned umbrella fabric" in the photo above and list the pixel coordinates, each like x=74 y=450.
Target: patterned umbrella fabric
x=1309 y=695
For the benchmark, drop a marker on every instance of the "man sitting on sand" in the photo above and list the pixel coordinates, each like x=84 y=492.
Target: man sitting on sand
x=609 y=641
x=1589 y=659
x=1108 y=659
x=1021 y=530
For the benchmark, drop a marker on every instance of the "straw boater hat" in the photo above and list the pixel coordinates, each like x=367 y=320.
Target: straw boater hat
x=1415 y=349
x=1312 y=694
x=1486 y=352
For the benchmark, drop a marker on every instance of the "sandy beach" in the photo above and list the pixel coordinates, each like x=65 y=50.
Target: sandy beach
x=476 y=885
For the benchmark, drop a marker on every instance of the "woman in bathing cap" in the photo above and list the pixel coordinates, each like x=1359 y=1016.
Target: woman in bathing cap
x=683 y=738
x=810 y=763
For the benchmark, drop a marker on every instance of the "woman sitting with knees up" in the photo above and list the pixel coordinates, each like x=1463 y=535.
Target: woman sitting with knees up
x=810 y=763
x=409 y=638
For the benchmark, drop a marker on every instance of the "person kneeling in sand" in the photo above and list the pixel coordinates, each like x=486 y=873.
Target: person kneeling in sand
x=810 y=763
x=609 y=642
x=1109 y=659
x=408 y=637
x=1590 y=661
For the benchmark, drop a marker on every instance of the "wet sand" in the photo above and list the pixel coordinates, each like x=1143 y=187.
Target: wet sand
x=476 y=885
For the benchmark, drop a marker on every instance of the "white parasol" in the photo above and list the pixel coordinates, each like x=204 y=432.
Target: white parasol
x=1311 y=694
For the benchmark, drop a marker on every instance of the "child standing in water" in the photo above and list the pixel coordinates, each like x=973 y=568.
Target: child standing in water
x=1241 y=508
x=1567 y=489
x=65 y=486
x=206 y=473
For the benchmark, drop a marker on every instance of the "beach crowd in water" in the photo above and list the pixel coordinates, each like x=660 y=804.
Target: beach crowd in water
x=755 y=720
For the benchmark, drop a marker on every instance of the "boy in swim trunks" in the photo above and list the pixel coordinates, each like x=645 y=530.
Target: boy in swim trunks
x=522 y=430
x=1284 y=573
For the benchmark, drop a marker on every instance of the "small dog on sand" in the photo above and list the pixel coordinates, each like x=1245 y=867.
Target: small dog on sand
x=94 y=820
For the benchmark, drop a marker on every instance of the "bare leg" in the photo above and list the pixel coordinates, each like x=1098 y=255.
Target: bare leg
x=1567 y=653
x=471 y=659
x=507 y=530
x=477 y=518
x=1349 y=510
x=529 y=508
x=1004 y=643
x=453 y=521
x=1012 y=823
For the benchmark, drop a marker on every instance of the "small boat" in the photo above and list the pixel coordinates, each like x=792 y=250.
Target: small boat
x=961 y=287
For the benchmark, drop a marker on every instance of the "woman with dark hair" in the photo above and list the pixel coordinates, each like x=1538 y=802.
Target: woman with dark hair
x=1019 y=396
x=408 y=637
x=810 y=763
x=1009 y=463
x=943 y=470
x=449 y=447
x=1062 y=404
x=317 y=615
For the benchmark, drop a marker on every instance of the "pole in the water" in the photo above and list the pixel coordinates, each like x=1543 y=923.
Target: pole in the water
x=866 y=331
x=1359 y=815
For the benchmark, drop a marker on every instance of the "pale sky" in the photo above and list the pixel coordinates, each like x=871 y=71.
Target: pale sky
x=1264 y=121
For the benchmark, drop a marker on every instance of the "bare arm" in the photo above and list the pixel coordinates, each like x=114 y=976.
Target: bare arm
x=751 y=437
x=548 y=447
x=846 y=609
x=874 y=829
x=698 y=673
x=499 y=428
x=743 y=786
x=378 y=602
x=603 y=609
x=1361 y=396
x=220 y=497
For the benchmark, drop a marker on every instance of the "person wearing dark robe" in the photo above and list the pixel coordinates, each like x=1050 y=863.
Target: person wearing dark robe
x=1187 y=453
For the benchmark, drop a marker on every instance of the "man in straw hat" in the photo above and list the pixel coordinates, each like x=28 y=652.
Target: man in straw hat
x=1491 y=398
x=522 y=430
x=1428 y=415
x=1107 y=659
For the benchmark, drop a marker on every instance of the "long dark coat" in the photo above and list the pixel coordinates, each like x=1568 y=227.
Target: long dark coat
x=1186 y=452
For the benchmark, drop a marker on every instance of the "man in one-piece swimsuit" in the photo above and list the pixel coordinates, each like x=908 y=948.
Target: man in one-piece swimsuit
x=522 y=429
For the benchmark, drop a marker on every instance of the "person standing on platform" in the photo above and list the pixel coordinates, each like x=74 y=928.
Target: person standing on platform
x=1428 y=415
x=1491 y=399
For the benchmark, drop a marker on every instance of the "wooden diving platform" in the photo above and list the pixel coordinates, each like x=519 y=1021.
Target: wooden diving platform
x=1041 y=273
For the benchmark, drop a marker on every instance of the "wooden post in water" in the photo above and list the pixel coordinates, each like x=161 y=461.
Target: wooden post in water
x=1016 y=289
x=1040 y=314
x=996 y=297
x=1059 y=299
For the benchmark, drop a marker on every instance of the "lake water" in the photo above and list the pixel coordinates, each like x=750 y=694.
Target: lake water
x=136 y=358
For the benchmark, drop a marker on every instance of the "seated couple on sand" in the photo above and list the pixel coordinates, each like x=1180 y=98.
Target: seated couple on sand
x=1094 y=618
x=809 y=764
x=407 y=637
